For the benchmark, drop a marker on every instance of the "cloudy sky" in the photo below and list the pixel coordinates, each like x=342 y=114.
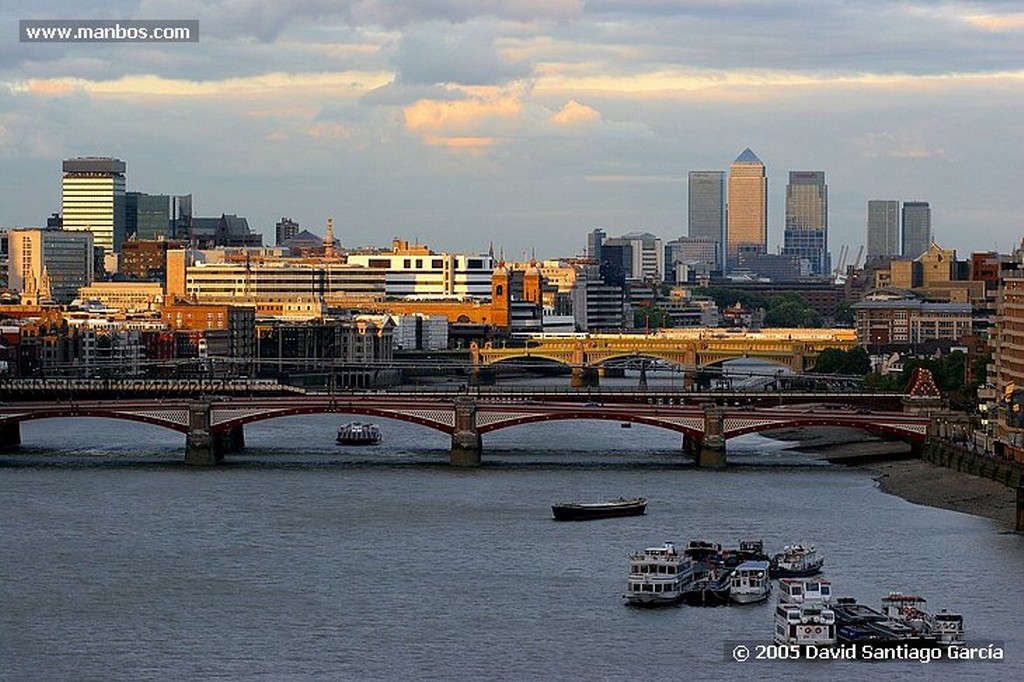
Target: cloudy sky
x=528 y=122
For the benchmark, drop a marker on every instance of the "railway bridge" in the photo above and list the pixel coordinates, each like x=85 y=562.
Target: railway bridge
x=213 y=426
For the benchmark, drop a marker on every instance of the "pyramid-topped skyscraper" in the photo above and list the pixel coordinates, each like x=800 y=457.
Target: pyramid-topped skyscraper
x=747 y=211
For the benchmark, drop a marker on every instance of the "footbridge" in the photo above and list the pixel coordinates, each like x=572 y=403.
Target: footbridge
x=214 y=427
x=690 y=349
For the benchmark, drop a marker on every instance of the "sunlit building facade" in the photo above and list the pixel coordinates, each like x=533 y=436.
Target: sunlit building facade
x=747 y=211
x=93 y=199
x=806 y=234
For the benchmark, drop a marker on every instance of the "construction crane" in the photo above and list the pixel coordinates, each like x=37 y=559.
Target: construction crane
x=856 y=262
x=839 y=274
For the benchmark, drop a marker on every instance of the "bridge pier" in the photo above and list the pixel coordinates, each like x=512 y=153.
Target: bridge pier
x=467 y=445
x=711 y=454
x=1019 y=526
x=202 y=447
x=611 y=372
x=584 y=376
x=482 y=376
x=690 y=446
x=10 y=435
x=229 y=440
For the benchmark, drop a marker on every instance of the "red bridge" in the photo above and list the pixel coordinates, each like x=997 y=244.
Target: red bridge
x=213 y=426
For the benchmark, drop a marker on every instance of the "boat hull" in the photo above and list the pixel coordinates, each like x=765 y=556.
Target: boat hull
x=586 y=512
x=748 y=597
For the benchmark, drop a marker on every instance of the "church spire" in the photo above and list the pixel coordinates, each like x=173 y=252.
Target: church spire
x=329 y=239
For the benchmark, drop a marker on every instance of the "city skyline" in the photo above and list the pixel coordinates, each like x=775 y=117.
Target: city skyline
x=529 y=124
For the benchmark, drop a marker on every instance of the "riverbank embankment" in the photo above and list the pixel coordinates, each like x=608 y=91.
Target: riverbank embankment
x=898 y=472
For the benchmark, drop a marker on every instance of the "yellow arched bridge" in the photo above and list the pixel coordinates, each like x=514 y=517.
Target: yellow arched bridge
x=690 y=348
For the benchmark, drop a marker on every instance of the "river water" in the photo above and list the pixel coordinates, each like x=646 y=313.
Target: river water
x=302 y=560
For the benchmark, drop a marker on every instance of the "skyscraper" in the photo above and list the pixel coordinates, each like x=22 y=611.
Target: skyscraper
x=883 y=228
x=706 y=218
x=93 y=199
x=917 y=228
x=806 y=234
x=747 y=210
x=148 y=216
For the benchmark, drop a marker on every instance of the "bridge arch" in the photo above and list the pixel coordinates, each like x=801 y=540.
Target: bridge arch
x=100 y=413
x=346 y=408
x=686 y=427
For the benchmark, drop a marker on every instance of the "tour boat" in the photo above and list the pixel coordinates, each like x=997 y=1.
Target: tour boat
x=805 y=624
x=750 y=582
x=859 y=623
x=804 y=591
x=357 y=433
x=796 y=561
x=658 y=576
x=582 y=511
x=711 y=586
x=702 y=550
x=803 y=615
x=910 y=609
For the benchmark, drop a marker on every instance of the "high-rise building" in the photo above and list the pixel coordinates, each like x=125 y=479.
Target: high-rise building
x=883 y=228
x=93 y=199
x=917 y=228
x=148 y=216
x=747 y=210
x=806 y=234
x=594 y=241
x=706 y=204
x=50 y=264
x=648 y=256
x=284 y=230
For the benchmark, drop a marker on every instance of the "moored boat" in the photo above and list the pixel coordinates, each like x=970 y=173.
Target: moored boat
x=804 y=591
x=658 y=576
x=358 y=433
x=750 y=583
x=804 y=624
x=582 y=511
x=803 y=615
x=909 y=609
x=796 y=561
x=861 y=624
x=711 y=586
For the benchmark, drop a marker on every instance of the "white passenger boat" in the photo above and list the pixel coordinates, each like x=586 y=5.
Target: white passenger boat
x=909 y=609
x=803 y=615
x=797 y=561
x=658 y=575
x=357 y=433
x=750 y=582
x=805 y=591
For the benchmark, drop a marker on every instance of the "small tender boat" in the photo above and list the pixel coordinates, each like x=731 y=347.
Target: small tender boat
x=796 y=561
x=910 y=610
x=582 y=511
x=658 y=576
x=750 y=583
x=357 y=433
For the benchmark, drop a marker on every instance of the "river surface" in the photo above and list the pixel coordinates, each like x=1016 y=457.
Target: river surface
x=302 y=560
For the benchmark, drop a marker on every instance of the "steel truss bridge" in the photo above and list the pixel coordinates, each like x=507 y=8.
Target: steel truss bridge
x=214 y=425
